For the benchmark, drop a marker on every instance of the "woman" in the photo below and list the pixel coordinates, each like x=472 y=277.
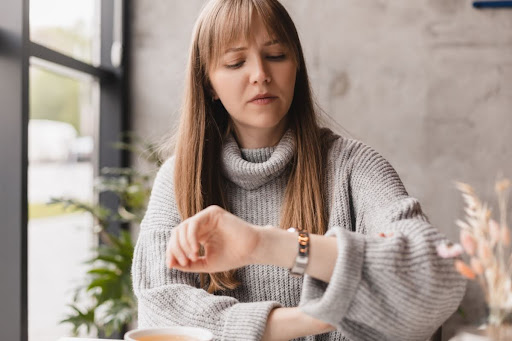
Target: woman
x=251 y=162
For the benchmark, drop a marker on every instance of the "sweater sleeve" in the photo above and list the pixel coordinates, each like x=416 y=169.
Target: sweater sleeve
x=384 y=288
x=168 y=297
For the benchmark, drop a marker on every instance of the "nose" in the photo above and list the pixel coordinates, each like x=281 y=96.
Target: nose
x=259 y=73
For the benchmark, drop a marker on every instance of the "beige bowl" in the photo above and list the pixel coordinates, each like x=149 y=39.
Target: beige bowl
x=199 y=334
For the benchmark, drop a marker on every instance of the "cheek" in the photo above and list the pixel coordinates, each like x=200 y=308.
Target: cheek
x=226 y=86
x=293 y=78
x=289 y=78
x=230 y=91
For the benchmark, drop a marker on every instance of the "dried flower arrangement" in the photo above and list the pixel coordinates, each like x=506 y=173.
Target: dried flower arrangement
x=487 y=245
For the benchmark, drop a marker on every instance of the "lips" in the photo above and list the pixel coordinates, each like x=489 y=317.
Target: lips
x=265 y=96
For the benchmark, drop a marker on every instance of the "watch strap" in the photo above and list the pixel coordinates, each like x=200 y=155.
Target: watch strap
x=301 y=261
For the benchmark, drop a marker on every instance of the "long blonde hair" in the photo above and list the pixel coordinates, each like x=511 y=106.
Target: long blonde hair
x=205 y=124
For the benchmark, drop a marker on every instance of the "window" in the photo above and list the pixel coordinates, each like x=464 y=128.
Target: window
x=63 y=112
x=70 y=27
x=62 y=85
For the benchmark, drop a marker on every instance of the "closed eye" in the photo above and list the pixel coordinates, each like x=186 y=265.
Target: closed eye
x=273 y=58
x=279 y=57
x=235 y=66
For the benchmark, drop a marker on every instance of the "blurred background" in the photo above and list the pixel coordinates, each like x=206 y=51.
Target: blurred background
x=62 y=128
x=426 y=83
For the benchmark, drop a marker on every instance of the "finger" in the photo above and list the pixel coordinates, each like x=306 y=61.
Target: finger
x=198 y=266
x=172 y=263
x=192 y=239
x=170 y=260
x=207 y=221
x=176 y=249
x=184 y=243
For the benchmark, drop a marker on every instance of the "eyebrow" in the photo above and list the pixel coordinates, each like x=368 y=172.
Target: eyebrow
x=236 y=49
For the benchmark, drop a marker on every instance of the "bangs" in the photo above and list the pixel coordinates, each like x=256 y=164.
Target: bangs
x=229 y=22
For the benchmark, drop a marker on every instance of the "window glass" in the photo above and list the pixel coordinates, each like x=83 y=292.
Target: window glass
x=70 y=27
x=62 y=127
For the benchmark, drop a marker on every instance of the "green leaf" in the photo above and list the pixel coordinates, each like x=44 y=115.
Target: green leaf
x=116 y=260
x=126 y=239
x=123 y=246
x=104 y=272
x=100 y=213
x=110 y=288
x=78 y=318
x=113 y=314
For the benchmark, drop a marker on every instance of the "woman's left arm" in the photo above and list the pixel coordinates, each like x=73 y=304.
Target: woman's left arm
x=388 y=283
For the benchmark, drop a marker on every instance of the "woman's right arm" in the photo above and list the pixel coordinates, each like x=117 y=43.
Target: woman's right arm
x=168 y=297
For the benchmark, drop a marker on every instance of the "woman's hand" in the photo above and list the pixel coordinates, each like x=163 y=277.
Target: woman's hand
x=228 y=241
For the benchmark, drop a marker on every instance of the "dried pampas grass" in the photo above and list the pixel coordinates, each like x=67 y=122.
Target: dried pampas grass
x=487 y=243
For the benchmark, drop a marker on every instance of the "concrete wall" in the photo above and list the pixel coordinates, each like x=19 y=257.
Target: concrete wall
x=427 y=83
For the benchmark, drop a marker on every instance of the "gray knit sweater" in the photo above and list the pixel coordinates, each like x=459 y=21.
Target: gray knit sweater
x=382 y=288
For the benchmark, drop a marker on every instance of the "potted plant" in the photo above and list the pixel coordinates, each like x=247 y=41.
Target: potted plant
x=105 y=301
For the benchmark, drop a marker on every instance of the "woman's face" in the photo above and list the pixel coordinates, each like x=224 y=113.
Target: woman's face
x=248 y=69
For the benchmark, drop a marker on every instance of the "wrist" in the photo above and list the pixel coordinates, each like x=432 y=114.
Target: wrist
x=275 y=247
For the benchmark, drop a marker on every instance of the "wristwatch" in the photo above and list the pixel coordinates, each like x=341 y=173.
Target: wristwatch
x=302 y=259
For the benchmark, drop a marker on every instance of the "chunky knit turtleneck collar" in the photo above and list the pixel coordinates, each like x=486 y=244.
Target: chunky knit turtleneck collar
x=252 y=168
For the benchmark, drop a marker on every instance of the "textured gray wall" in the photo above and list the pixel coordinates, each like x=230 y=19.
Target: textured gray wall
x=427 y=83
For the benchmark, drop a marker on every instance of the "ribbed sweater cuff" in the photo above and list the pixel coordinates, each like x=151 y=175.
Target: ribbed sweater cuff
x=329 y=302
x=247 y=321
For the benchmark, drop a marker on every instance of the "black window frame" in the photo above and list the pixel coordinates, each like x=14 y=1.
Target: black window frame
x=15 y=52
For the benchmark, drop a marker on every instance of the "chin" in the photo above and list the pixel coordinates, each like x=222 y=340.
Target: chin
x=268 y=122
x=264 y=122
x=266 y=125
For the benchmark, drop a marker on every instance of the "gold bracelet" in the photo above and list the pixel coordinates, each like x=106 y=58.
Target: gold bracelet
x=302 y=259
